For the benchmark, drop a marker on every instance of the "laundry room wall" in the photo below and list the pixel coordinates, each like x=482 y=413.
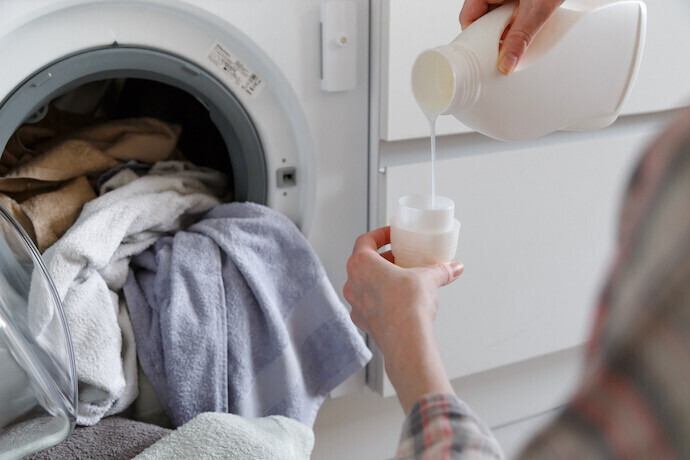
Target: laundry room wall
x=539 y=227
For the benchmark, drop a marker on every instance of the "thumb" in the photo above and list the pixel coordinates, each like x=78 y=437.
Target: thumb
x=443 y=274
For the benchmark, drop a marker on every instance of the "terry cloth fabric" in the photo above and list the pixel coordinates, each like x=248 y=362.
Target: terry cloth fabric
x=228 y=436
x=113 y=437
x=47 y=216
x=89 y=266
x=137 y=167
x=41 y=188
x=269 y=334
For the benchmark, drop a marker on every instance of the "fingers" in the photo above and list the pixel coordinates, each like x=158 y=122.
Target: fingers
x=474 y=9
x=388 y=255
x=365 y=261
x=373 y=239
x=529 y=17
x=442 y=274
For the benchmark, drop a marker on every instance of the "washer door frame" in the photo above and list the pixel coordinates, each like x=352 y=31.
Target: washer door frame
x=236 y=128
x=189 y=34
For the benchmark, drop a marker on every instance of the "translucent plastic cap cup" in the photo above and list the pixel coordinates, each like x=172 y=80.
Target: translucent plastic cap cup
x=422 y=234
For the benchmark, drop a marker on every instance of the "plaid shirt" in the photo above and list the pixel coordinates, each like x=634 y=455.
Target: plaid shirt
x=634 y=398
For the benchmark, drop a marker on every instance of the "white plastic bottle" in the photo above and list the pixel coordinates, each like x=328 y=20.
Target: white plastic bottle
x=575 y=75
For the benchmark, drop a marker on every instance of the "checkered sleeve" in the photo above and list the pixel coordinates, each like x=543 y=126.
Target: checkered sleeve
x=440 y=426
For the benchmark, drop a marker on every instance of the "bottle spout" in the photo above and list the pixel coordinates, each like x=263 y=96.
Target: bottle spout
x=432 y=82
x=445 y=80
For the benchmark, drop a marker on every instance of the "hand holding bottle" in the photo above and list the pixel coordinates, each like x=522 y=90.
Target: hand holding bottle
x=575 y=75
x=528 y=17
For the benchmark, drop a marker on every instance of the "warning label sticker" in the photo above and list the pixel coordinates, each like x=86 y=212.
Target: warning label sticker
x=236 y=71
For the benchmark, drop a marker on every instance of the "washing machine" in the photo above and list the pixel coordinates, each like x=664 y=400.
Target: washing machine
x=282 y=85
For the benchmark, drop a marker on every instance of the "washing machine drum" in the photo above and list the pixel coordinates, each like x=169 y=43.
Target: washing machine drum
x=38 y=387
x=38 y=383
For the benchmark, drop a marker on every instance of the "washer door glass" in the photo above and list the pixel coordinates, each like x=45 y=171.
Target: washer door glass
x=38 y=389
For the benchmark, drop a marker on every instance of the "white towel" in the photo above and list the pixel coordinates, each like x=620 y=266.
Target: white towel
x=89 y=265
x=229 y=436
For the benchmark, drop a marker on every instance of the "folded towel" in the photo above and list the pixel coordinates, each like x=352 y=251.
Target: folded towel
x=113 y=437
x=231 y=437
x=236 y=314
x=89 y=265
x=40 y=187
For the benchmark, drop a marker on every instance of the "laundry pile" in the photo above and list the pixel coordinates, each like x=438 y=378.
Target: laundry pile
x=89 y=263
x=282 y=351
x=223 y=306
x=46 y=180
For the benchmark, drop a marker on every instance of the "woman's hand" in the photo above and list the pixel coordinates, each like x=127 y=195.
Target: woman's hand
x=397 y=307
x=528 y=17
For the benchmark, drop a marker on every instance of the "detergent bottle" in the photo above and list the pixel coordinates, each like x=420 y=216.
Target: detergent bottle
x=576 y=74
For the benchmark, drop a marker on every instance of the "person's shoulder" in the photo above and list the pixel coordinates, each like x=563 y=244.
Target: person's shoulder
x=660 y=165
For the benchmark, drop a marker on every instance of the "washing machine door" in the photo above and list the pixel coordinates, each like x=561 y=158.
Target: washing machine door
x=38 y=387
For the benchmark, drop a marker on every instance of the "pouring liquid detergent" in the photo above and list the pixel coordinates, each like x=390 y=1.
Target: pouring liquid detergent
x=575 y=75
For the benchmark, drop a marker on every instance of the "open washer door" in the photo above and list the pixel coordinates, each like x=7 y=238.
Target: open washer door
x=38 y=384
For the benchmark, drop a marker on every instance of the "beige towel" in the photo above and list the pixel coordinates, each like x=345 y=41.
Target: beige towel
x=47 y=216
x=17 y=150
x=33 y=139
x=47 y=182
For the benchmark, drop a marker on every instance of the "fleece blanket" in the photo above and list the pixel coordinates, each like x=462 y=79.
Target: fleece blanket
x=236 y=314
x=89 y=266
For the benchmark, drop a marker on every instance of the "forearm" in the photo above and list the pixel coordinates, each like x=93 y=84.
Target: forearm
x=414 y=366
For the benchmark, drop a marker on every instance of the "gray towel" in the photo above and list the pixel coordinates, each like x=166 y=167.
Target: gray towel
x=113 y=437
x=231 y=437
x=89 y=265
x=236 y=314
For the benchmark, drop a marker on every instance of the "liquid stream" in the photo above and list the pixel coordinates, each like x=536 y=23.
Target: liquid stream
x=432 y=130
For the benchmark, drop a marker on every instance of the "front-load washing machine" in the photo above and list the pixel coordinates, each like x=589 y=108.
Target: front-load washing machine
x=282 y=85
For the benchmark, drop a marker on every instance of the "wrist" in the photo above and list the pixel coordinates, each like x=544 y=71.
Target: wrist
x=415 y=368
